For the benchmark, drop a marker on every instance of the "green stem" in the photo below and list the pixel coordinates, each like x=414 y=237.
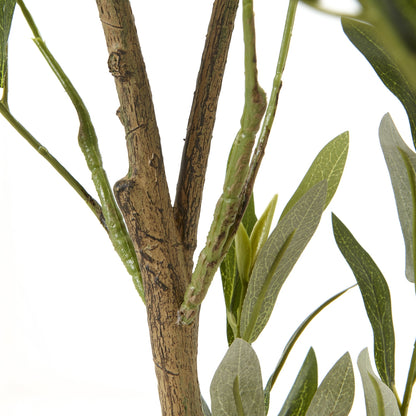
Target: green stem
x=89 y=145
x=224 y=225
x=411 y=378
x=272 y=106
x=91 y=202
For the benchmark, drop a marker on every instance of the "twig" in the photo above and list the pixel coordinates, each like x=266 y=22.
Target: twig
x=201 y=122
x=219 y=238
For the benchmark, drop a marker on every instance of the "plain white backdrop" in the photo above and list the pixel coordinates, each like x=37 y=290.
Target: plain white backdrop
x=73 y=332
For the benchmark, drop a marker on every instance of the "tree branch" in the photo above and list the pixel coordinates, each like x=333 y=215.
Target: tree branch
x=201 y=123
x=143 y=197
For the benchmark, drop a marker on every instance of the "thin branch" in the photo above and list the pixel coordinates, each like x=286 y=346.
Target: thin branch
x=220 y=234
x=201 y=122
x=88 y=143
x=91 y=202
x=271 y=109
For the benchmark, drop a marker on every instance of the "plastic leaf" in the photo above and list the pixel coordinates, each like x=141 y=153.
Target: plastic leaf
x=393 y=148
x=304 y=388
x=291 y=343
x=6 y=16
x=376 y=296
x=240 y=363
x=261 y=229
x=243 y=252
x=379 y=399
x=368 y=42
x=277 y=258
x=328 y=165
x=335 y=394
x=249 y=218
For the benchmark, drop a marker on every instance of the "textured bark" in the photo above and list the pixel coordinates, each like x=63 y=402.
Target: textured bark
x=201 y=122
x=165 y=238
x=143 y=197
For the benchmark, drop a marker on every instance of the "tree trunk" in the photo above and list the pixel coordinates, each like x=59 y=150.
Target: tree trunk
x=165 y=237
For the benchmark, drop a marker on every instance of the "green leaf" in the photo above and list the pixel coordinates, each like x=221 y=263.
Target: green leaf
x=379 y=399
x=368 y=41
x=277 y=258
x=249 y=218
x=261 y=229
x=376 y=296
x=228 y=270
x=243 y=253
x=328 y=165
x=393 y=148
x=240 y=363
x=304 y=388
x=291 y=343
x=335 y=394
x=6 y=16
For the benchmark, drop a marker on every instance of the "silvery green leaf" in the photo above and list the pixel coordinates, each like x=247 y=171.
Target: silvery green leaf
x=376 y=296
x=379 y=399
x=238 y=382
x=394 y=148
x=304 y=388
x=6 y=16
x=328 y=165
x=277 y=258
x=292 y=341
x=335 y=395
x=370 y=43
x=243 y=252
x=261 y=228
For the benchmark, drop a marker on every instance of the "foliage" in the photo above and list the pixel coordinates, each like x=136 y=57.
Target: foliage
x=254 y=261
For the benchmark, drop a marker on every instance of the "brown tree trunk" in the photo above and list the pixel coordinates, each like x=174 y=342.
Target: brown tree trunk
x=164 y=242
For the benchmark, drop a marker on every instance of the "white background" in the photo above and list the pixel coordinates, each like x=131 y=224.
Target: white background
x=73 y=333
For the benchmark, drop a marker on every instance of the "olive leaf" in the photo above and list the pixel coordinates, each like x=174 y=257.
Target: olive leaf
x=394 y=149
x=335 y=395
x=261 y=229
x=328 y=165
x=379 y=399
x=243 y=252
x=368 y=40
x=304 y=388
x=291 y=343
x=237 y=383
x=277 y=258
x=376 y=296
x=6 y=16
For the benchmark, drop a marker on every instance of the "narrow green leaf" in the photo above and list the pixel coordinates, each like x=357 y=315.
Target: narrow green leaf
x=6 y=17
x=393 y=148
x=249 y=218
x=291 y=343
x=379 y=399
x=376 y=296
x=261 y=229
x=335 y=394
x=277 y=258
x=240 y=362
x=368 y=41
x=328 y=165
x=243 y=252
x=228 y=270
x=304 y=388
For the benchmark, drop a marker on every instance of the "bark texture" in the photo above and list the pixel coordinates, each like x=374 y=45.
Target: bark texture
x=143 y=197
x=164 y=242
